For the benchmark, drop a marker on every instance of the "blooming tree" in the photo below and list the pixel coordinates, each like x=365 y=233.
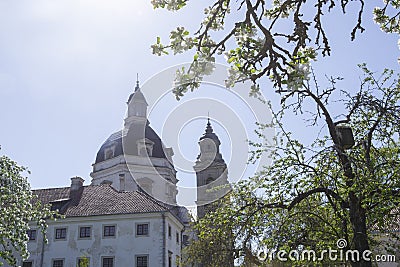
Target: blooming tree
x=260 y=42
x=16 y=212
x=313 y=195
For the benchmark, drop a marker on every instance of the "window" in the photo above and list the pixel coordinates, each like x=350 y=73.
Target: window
x=58 y=263
x=142 y=261
x=83 y=262
x=27 y=264
x=31 y=234
x=108 y=230
x=169 y=231
x=145 y=147
x=177 y=237
x=85 y=231
x=142 y=229
x=185 y=240
x=169 y=259
x=107 y=262
x=170 y=190
x=61 y=233
x=109 y=152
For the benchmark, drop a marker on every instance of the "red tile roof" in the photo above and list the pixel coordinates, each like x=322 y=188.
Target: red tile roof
x=95 y=200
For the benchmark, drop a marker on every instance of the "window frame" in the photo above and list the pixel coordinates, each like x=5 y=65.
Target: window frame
x=185 y=240
x=30 y=235
x=109 y=225
x=142 y=256
x=170 y=254
x=137 y=225
x=80 y=233
x=54 y=260
x=60 y=228
x=27 y=262
x=109 y=152
x=107 y=257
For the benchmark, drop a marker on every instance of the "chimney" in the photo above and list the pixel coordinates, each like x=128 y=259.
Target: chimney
x=76 y=183
x=121 y=182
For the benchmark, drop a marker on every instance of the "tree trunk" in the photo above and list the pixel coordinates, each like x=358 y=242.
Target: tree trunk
x=359 y=225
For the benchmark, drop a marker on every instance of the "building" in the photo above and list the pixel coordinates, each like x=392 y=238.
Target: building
x=211 y=172
x=106 y=227
x=135 y=158
x=128 y=215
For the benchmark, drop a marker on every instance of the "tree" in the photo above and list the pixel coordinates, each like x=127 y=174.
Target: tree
x=17 y=211
x=275 y=40
x=306 y=185
x=313 y=195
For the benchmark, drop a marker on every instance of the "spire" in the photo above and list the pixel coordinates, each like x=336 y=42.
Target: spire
x=137 y=106
x=209 y=133
x=209 y=128
x=137 y=82
x=209 y=146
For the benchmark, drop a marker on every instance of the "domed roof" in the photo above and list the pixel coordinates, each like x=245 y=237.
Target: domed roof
x=127 y=142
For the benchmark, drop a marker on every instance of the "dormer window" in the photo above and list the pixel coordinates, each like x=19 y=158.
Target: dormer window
x=145 y=147
x=109 y=152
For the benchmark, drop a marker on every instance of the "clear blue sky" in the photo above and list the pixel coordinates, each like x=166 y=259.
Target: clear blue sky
x=68 y=66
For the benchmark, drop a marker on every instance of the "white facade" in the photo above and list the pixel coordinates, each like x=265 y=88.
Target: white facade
x=161 y=246
x=155 y=176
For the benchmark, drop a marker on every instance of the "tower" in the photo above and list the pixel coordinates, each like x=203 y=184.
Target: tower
x=137 y=108
x=211 y=172
x=135 y=158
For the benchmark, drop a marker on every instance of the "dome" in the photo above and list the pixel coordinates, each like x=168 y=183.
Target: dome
x=119 y=142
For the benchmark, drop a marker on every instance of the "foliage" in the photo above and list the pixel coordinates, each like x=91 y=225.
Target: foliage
x=265 y=39
x=17 y=212
x=83 y=262
x=313 y=195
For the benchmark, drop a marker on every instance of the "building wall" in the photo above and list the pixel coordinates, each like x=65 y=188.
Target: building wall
x=159 y=172
x=124 y=247
x=387 y=241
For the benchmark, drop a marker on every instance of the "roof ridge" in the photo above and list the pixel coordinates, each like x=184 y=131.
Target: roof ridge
x=50 y=188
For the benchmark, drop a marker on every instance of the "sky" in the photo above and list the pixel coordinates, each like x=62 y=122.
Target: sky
x=67 y=68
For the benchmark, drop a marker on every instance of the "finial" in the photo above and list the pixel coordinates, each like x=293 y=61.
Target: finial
x=137 y=82
x=209 y=129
